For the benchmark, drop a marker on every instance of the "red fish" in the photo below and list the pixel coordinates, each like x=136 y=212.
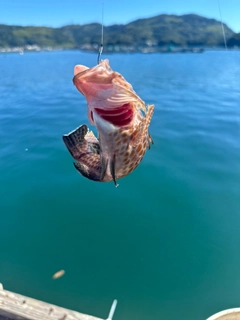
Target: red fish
x=121 y=118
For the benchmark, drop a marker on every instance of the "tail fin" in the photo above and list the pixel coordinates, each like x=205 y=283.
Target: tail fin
x=84 y=147
x=75 y=141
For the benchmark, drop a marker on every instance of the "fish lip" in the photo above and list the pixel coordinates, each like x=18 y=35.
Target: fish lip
x=104 y=64
x=78 y=75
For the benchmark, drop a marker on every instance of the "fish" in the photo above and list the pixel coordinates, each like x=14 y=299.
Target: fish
x=121 y=118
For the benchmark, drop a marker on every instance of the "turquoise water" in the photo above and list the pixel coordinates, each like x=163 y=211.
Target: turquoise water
x=166 y=243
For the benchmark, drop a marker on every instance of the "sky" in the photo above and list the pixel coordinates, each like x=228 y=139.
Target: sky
x=56 y=13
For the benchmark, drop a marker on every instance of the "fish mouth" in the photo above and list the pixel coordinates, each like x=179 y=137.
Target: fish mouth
x=102 y=85
x=120 y=116
x=108 y=94
x=100 y=74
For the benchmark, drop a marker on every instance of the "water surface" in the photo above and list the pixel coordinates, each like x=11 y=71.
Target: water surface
x=166 y=243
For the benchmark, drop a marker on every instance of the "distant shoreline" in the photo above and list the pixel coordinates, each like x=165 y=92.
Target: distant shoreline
x=23 y=50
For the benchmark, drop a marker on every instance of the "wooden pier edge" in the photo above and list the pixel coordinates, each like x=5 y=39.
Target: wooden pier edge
x=15 y=306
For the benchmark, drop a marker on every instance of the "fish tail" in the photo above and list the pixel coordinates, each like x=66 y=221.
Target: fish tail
x=85 y=148
x=75 y=141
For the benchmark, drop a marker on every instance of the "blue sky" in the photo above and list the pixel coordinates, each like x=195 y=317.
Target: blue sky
x=57 y=13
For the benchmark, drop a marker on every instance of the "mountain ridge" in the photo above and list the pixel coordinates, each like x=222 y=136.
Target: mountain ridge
x=160 y=31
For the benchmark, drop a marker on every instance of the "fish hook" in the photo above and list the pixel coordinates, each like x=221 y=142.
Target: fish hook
x=101 y=45
x=100 y=53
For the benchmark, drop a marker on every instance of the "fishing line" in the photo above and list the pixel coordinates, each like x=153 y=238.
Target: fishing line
x=101 y=45
x=223 y=31
x=224 y=37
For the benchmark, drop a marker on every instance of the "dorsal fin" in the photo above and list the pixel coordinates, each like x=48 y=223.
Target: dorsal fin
x=142 y=128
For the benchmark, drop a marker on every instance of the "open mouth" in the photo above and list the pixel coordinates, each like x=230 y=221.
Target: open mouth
x=120 y=116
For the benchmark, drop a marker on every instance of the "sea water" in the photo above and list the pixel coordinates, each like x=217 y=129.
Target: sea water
x=166 y=243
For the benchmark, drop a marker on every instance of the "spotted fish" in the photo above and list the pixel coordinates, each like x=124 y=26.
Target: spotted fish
x=121 y=118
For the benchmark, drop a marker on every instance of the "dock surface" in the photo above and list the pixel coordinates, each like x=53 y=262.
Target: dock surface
x=15 y=306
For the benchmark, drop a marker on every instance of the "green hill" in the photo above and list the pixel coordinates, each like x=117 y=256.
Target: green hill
x=186 y=30
x=163 y=30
